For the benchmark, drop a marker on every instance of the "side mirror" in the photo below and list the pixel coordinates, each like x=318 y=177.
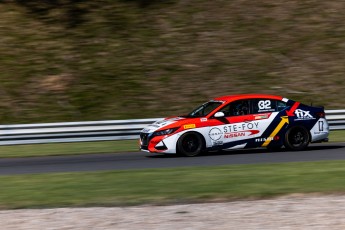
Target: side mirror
x=219 y=115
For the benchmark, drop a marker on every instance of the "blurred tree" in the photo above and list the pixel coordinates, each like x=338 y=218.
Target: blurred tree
x=71 y=11
x=146 y=3
x=71 y=15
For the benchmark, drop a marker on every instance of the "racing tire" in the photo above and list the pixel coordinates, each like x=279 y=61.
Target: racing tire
x=190 y=144
x=297 y=138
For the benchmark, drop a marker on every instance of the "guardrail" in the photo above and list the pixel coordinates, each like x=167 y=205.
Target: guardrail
x=72 y=131
x=336 y=119
x=101 y=130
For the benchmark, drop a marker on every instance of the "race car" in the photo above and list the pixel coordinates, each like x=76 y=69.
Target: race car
x=237 y=122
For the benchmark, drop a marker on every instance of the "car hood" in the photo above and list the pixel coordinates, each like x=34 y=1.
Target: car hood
x=167 y=122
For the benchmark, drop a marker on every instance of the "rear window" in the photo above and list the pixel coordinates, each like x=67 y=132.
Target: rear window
x=281 y=105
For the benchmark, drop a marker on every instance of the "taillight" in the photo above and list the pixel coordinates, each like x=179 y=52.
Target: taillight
x=320 y=114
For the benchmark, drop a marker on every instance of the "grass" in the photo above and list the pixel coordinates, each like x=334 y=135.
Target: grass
x=68 y=148
x=337 y=136
x=167 y=186
x=93 y=147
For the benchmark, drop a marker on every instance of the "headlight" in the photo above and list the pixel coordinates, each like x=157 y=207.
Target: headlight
x=165 y=132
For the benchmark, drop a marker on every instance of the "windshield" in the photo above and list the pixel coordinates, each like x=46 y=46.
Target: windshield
x=205 y=109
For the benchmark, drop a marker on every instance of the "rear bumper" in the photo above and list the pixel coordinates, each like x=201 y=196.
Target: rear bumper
x=320 y=141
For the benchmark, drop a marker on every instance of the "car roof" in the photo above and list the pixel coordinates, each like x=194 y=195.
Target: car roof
x=229 y=98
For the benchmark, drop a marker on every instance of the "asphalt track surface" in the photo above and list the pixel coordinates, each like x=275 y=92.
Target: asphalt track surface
x=142 y=160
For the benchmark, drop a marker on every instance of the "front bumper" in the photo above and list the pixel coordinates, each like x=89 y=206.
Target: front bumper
x=157 y=144
x=144 y=141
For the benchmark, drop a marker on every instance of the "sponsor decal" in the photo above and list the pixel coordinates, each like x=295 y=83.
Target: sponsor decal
x=241 y=130
x=240 y=134
x=215 y=134
x=264 y=139
x=290 y=112
x=275 y=138
x=318 y=133
x=215 y=143
x=261 y=116
x=240 y=127
x=266 y=110
x=303 y=115
x=189 y=126
x=203 y=119
x=232 y=135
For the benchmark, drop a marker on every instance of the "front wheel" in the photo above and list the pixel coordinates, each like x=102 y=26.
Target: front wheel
x=297 y=138
x=190 y=144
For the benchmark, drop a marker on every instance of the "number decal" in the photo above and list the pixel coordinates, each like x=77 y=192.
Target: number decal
x=321 y=123
x=264 y=104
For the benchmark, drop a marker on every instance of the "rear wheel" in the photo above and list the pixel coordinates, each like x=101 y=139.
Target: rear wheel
x=190 y=144
x=297 y=138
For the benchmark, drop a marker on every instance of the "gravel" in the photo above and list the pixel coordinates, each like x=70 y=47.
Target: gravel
x=288 y=212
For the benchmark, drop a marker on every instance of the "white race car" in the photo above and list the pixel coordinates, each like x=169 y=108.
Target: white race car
x=238 y=121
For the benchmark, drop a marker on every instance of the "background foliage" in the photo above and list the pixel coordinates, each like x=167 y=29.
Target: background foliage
x=69 y=60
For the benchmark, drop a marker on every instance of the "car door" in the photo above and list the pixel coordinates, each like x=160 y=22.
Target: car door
x=265 y=114
x=237 y=125
x=246 y=123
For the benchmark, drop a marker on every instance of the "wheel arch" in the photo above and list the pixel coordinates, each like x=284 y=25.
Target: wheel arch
x=191 y=132
x=292 y=128
x=296 y=126
x=195 y=133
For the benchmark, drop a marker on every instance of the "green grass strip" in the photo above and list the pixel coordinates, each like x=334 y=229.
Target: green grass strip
x=337 y=136
x=166 y=186
x=59 y=149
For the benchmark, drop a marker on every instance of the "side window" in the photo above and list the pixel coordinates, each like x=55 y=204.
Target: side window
x=253 y=106
x=226 y=110
x=236 y=108
x=263 y=105
x=281 y=105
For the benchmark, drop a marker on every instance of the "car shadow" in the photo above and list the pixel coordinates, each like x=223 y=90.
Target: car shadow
x=251 y=151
